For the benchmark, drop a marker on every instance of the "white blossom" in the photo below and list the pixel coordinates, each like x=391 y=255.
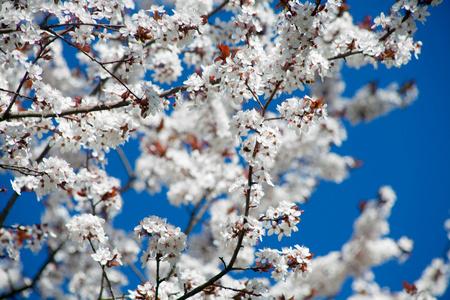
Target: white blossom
x=85 y=227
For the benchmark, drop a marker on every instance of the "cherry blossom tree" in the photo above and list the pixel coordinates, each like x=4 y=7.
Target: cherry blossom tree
x=235 y=105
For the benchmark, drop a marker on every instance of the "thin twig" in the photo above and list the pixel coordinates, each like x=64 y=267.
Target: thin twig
x=215 y=10
x=107 y=26
x=344 y=55
x=94 y=60
x=236 y=290
x=125 y=161
x=22 y=170
x=228 y=268
x=22 y=82
x=254 y=96
x=266 y=105
x=137 y=272
x=19 y=95
x=157 y=276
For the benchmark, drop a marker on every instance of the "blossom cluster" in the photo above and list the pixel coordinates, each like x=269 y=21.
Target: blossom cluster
x=85 y=227
x=52 y=173
x=280 y=262
x=94 y=188
x=166 y=242
x=281 y=220
x=106 y=258
x=301 y=113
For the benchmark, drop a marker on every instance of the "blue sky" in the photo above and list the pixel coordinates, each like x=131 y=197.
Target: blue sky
x=408 y=150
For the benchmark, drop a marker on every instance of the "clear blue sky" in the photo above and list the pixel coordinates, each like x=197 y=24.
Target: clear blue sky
x=408 y=149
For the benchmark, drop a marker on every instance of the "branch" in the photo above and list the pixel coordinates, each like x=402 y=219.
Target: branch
x=197 y=215
x=107 y=26
x=254 y=96
x=266 y=105
x=157 y=276
x=237 y=290
x=22 y=170
x=114 y=70
x=381 y=39
x=125 y=162
x=137 y=272
x=87 y=109
x=316 y=8
x=344 y=55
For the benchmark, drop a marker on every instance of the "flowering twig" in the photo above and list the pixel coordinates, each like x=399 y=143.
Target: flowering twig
x=105 y=276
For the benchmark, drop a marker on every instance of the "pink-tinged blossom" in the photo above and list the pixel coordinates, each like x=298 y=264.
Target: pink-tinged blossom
x=86 y=227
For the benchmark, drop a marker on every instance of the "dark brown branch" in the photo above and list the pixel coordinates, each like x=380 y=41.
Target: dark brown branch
x=88 y=109
x=344 y=55
x=22 y=170
x=266 y=105
x=316 y=8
